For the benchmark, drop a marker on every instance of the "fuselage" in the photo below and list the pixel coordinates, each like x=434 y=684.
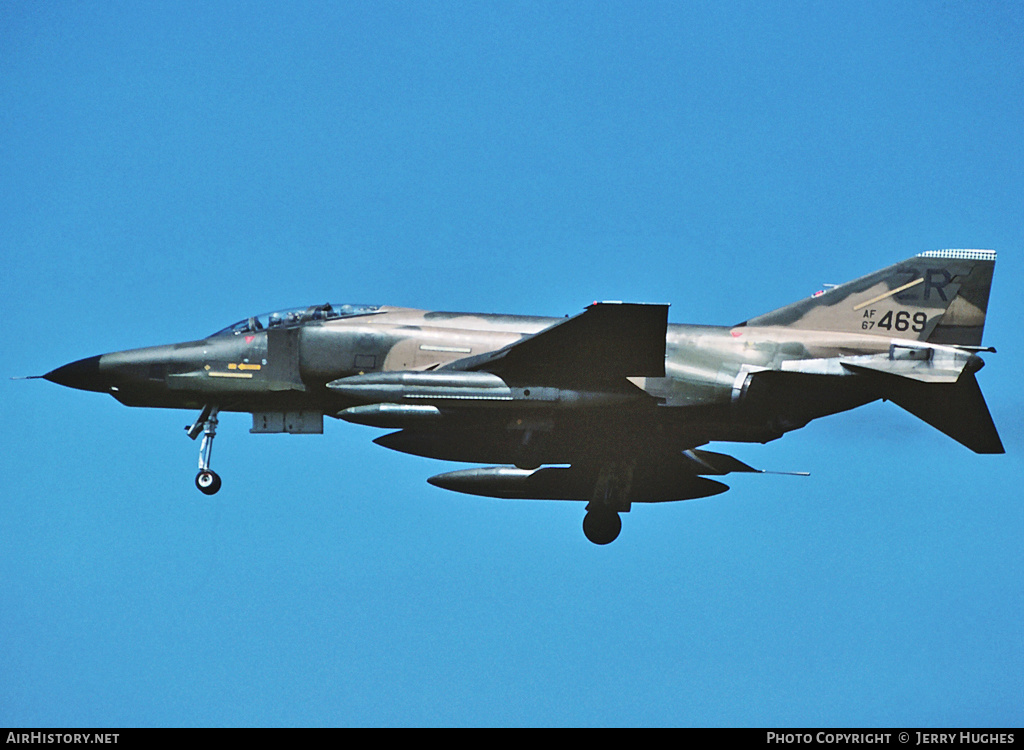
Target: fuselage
x=281 y=368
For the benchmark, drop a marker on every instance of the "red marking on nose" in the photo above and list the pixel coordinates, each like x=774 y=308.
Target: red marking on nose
x=736 y=334
x=248 y=339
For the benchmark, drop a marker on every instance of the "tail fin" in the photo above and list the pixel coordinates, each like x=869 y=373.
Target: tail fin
x=939 y=296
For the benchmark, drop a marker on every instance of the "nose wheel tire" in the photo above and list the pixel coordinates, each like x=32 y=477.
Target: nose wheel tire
x=208 y=482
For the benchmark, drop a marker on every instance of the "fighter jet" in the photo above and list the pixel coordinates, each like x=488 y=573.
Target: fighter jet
x=609 y=407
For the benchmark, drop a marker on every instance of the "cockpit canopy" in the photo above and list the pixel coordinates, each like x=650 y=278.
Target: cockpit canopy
x=296 y=316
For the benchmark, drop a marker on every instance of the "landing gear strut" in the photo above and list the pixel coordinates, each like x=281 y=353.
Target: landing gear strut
x=207 y=479
x=611 y=495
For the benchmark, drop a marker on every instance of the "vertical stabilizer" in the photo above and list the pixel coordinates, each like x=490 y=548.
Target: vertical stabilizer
x=939 y=296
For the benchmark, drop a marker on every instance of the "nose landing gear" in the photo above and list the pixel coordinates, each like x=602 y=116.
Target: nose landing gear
x=207 y=480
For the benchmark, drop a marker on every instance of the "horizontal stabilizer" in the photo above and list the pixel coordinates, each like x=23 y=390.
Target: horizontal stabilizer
x=926 y=364
x=958 y=410
x=913 y=371
x=607 y=342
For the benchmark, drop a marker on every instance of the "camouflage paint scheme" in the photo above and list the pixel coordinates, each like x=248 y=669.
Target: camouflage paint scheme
x=615 y=397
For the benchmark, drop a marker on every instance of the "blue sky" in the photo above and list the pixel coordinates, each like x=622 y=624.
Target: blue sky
x=169 y=168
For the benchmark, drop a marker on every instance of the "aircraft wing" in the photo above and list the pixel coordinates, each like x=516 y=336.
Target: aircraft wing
x=606 y=343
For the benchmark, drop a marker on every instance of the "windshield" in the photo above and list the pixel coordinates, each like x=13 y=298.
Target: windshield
x=297 y=316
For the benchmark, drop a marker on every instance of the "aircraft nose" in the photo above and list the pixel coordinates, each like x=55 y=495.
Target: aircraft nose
x=83 y=374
